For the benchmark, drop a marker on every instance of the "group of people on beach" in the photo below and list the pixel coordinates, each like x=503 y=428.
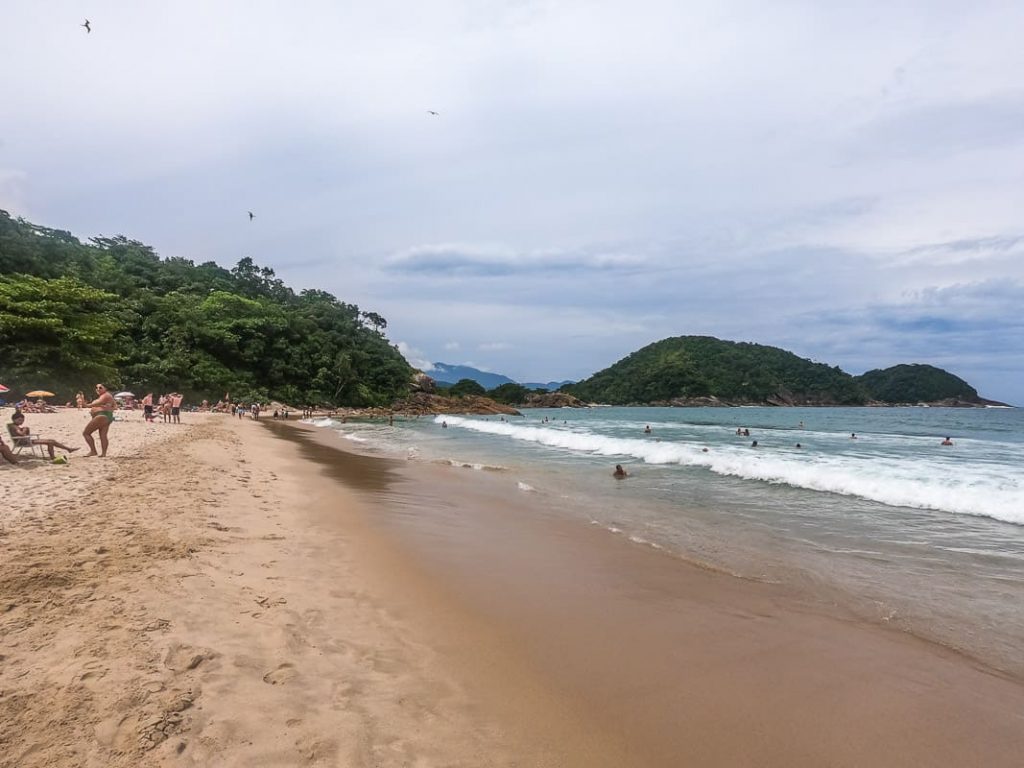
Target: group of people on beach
x=101 y=413
x=168 y=406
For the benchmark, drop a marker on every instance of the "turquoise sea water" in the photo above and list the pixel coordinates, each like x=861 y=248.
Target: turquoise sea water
x=892 y=523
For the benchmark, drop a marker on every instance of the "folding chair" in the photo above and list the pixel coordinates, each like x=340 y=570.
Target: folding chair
x=19 y=443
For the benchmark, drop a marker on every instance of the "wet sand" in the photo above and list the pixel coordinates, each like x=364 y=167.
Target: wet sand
x=246 y=594
x=679 y=664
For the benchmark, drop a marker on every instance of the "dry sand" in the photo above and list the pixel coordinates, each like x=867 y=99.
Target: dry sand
x=180 y=604
x=211 y=595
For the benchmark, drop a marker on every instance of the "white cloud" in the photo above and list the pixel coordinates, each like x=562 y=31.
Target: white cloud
x=452 y=346
x=415 y=357
x=493 y=346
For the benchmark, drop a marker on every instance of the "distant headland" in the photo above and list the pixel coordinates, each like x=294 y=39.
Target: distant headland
x=705 y=371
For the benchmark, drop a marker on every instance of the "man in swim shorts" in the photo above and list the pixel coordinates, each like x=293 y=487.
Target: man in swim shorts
x=176 y=399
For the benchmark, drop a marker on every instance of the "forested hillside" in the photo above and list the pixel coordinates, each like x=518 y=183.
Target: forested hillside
x=703 y=370
x=688 y=367
x=916 y=384
x=112 y=310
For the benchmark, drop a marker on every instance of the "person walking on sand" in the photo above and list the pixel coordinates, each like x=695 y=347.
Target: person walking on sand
x=176 y=400
x=102 y=411
x=79 y=401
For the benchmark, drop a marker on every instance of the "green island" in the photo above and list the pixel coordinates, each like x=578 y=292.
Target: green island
x=702 y=370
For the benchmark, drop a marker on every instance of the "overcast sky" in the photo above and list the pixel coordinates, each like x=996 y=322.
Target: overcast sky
x=844 y=182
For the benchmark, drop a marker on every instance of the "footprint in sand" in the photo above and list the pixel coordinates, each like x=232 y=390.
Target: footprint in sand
x=183 y=658
x=284 y=673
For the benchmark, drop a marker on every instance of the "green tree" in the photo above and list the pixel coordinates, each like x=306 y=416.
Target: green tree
x=510 y=393
x=464 y=387
x=57 y=331
x=204 y=330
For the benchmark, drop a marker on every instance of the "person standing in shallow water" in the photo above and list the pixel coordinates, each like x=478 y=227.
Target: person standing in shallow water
x=102 y=411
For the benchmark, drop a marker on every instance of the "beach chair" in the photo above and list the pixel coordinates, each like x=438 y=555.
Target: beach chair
x=19 y=443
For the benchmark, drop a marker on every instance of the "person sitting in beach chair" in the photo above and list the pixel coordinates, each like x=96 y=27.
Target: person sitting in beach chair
x=22 y=438
x=7 y=453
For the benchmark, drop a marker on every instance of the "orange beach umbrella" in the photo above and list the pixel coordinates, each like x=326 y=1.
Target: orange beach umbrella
x=39 y=393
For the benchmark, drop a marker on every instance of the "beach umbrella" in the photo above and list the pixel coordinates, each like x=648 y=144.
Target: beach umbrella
x=3 y=389
x=125 y=394
x=39 y=393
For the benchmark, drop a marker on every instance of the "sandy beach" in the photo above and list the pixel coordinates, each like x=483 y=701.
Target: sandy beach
x=233 y=594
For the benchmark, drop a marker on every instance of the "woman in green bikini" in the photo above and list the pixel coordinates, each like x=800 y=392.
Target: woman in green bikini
x=102 y=411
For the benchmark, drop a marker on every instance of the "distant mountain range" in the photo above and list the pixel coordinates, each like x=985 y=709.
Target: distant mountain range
x=445 y=373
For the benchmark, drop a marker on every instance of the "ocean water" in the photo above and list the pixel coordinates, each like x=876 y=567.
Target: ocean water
x=871 y=512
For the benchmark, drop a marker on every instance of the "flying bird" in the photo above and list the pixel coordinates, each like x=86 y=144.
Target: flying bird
x=432 y=112
x=88 y=29
x=250 y=216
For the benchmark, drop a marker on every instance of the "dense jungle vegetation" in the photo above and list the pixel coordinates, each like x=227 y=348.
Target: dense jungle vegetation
x=693 y=367
x=915 y=384
x=112 y=310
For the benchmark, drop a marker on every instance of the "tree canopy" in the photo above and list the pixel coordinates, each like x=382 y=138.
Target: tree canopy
x=915 y=383
x=686 y=368
x=703 y=366
x=464 y=387
x=73 y=313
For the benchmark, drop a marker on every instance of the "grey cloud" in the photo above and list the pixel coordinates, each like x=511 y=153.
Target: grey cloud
x=936 y=129
x=965 y=250
x=462 y=261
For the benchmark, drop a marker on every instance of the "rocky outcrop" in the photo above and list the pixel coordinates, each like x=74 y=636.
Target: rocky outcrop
x=554 y=400
x=694 y=402
x=424 y=403
x=422 y=383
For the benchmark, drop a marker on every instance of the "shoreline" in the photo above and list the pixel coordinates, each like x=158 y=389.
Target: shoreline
x=230 y=597
x=521 y=570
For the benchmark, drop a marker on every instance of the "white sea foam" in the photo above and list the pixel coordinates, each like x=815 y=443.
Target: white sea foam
x=525 y=487
x=473 y=465
x=352 y=437
x=926 y=483
x=322 y=422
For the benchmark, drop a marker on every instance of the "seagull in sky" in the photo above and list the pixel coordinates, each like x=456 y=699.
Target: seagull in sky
x=250 y=216
x=88 y=29
x=432 y=112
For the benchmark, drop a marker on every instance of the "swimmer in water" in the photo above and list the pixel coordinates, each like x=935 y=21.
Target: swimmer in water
x=947 y=441
x=619 y=472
